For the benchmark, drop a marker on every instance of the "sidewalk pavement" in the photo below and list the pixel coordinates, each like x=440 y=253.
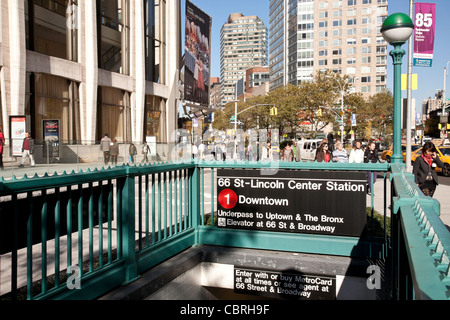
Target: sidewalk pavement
x=442 y=195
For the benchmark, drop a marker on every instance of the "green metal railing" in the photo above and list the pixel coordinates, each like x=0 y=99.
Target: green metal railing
x=114 y=224
x=421 y=264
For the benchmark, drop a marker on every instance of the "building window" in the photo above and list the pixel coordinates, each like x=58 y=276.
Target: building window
x=55 y=98
x=351 y=22
x=154 y=117
x=155 y=46
x=47 y=28
x=112 y=17
x=114 y=114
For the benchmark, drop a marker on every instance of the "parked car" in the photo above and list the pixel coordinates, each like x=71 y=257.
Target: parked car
x=443 y=153
x=308 y=148
x=387 y=154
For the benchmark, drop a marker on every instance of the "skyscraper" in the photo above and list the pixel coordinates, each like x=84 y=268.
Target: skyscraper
x=243 y=44
x=342 y=35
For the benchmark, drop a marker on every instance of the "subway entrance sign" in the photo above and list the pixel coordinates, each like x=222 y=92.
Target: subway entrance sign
x=309 y=202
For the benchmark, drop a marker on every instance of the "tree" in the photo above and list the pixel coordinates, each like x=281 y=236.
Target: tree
x=379 y=111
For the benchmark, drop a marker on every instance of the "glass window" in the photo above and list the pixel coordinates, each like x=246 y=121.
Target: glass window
x=154 y=117
x=113 y=114
x=113 y=30
x=47 y=29
x=52 y=102
x=154 y=40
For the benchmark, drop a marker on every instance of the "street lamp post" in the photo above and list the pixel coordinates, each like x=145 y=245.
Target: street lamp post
x=396 y=30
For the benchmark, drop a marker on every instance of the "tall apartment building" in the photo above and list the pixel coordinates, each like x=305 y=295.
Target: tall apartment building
x=243 y=44
x=342 y=35
x=97 y=66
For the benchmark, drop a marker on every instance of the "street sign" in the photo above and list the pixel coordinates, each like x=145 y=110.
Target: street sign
x=354 y=120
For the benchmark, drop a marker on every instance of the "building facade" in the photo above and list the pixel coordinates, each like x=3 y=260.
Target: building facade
x=97 y=66
x=256 y=82
x=243 y=44
x=215 y=92
x=342 y=35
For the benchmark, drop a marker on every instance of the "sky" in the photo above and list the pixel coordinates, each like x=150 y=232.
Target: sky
x=430 y=79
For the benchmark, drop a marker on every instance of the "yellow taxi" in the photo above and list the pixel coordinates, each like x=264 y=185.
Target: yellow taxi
x=387 y=154
x=444 y=155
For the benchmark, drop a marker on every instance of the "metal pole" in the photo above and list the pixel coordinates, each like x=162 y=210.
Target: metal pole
x=235 y=129
x=409 y=97
x=444 y=96
x=342 y=117
x=397 y=56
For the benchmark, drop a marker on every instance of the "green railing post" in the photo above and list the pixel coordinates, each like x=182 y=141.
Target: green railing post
x=195 y=200
x=128 y=225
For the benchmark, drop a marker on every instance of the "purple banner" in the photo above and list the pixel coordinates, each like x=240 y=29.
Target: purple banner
x=424 y=33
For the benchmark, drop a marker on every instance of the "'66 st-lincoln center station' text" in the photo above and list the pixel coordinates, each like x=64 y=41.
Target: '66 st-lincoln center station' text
x=313 y=202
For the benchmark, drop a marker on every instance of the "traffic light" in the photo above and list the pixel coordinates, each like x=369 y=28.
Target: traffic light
x=273 y=111
x=319 y=112
x=440 y=126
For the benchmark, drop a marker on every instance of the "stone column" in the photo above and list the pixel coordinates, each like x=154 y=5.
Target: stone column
x=17 y=57
x=172 y=34
x=89 y=60
x=138 y=59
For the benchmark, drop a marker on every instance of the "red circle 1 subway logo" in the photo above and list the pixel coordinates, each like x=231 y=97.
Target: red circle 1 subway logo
x=228 y=199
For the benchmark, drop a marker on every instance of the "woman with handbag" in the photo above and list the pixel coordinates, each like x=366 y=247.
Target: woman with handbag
x=423 y=170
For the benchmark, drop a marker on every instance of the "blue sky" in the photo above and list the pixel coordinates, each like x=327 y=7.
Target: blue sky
x=429 y=79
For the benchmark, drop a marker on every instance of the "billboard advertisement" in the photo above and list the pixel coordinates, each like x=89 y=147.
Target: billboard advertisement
x=197 y=55
x=18 y=127
x=424 y=34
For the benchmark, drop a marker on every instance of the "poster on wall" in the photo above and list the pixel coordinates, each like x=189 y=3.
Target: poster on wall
x=424 y=34
x=51 y=138
x=308 y=202
x=18 y=128
x=197 y=55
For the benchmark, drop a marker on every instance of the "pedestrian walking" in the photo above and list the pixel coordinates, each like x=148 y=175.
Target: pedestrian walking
x=27 y=150
x=323 y=154
x=146 y=152
x=340 y=154
x=114 y=151
x=132 y=151
x=201 y=151
x=287 y=155
x=2 y=143
x=357 y=154
x=371 y=156
x=424 y=169
x=105 y=146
